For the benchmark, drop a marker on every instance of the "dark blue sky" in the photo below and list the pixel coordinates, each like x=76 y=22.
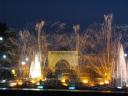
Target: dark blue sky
x=19 y=13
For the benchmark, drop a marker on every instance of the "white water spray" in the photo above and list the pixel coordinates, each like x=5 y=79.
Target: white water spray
x=35 y=68
x=121 y=68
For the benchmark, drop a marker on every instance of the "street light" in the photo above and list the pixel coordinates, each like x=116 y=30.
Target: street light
x=1 y=38
x=125 y=55
x=26 y=59
x=4 y=56
x=23 y=62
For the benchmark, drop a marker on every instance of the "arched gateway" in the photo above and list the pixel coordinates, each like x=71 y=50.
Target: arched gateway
x=62 y=58
x=63 y=64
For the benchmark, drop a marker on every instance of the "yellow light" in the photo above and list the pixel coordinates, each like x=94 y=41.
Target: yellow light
x=12 y=84
x=44 y=79
x=33 y=81
x=65 y=84
x=85 y=81
x=63 y=80
x=92 y=84
x=101 y=83
x=13 y=71
x=38 y=83
x=106 y=82
x=20 y=83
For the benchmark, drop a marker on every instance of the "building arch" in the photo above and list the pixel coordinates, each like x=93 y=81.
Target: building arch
x=62 y=64
x=66 y=58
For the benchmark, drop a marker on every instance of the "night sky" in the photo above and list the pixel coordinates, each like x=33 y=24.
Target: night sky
x=19 y=13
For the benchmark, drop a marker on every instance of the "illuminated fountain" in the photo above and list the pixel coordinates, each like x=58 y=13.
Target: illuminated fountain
x=121 y=68
x=32 y=46
x=35 y=68
x=97 y=67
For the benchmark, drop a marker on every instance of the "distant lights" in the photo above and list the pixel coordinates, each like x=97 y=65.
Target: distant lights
x=12 y=84
x=106 y=82
x=63 y=80
x=40 y=87
x=33 y=81
x=20 y=82
x=71 y=87
x=26 y=59
x=119 y=87
x=3 y=81
x=101 y=83
x=4 y=56
x=13 y=71
x=125 y=54
x=65 y=84
x=23 y=62
x=1 y=38
x=85 y=81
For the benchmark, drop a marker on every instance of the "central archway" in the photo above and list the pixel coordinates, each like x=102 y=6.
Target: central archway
x=62 y=67
x=62 y=64
x=70 y=58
